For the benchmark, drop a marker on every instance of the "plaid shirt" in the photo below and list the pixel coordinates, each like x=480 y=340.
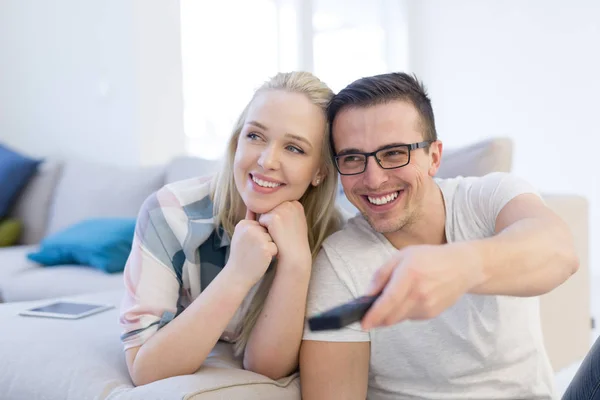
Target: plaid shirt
x=176 y=253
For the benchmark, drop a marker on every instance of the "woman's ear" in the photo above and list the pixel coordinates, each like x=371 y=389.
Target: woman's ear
x=318 y=178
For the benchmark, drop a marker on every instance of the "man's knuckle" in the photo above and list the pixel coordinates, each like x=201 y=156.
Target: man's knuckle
x=420 y=294
x=394 y=297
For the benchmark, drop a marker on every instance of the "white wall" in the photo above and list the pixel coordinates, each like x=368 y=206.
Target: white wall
x=98 y=79
x=529 y=70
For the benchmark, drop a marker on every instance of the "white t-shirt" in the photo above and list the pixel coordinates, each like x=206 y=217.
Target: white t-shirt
x=483 y=347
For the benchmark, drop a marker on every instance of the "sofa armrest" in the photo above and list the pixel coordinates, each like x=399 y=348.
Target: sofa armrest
x=566 y=311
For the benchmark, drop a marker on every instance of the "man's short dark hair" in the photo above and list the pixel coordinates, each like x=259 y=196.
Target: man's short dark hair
x=380 y=89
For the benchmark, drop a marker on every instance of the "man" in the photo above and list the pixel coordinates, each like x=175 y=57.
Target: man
x=458 y=262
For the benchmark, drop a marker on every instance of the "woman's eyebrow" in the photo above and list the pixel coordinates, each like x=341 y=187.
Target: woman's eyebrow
x=257 y=124
x=287 y=135
x=298 y=138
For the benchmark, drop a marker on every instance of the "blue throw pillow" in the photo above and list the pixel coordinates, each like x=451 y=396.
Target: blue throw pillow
x=15 y=172
x=103 y=243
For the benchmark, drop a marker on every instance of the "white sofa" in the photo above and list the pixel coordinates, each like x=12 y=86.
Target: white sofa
x=63 y=193
x=46 y=359
x=59 y=359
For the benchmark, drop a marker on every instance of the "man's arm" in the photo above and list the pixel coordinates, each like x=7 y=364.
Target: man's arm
x=532 y=252
x=334 y=370
x=334 y=364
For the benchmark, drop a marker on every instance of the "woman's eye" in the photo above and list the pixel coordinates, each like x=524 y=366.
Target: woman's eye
x=252 y=136
x=295 y=149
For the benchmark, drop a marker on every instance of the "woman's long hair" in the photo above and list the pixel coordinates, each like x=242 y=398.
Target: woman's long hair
x=322 y=217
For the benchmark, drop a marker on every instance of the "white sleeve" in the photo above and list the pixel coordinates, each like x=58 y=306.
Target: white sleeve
x=329 y=287
x=489 y=194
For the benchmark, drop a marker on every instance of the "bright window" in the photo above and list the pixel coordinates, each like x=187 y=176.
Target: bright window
x=230 y=47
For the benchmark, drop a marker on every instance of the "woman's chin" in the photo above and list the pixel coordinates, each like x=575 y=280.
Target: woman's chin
x=262 y=204
x=260 y=207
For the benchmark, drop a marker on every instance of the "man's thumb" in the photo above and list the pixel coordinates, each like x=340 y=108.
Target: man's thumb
x=381 y=278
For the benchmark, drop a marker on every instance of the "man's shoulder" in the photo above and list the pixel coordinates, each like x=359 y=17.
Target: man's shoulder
x=469 y=180
x=464 y=184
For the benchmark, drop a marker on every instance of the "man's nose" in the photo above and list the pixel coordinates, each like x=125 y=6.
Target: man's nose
x=374 y=176
x=269 y=158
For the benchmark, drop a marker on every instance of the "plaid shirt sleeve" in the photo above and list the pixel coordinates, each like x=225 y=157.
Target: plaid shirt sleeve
x=152 y=287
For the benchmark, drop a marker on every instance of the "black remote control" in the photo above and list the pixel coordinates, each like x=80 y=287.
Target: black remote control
x=340 y=316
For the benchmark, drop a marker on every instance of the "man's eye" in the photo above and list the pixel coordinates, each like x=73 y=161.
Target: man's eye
x=352 y=159
x=395 y=153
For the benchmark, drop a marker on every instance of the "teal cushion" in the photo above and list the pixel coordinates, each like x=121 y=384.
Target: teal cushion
x=103 y=243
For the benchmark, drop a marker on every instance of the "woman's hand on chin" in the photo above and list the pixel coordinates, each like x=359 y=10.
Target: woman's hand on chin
x=286 y=224
x=252 y=249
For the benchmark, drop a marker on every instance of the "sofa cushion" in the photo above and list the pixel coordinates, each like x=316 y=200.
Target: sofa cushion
x=83 y=359
x=182 y=168
x=10 y=230
x=478 y=159
x=32 y=207
x=101 y=243
x=15 y=172
x=13 y=260
x=37 y=282
x=90 y=190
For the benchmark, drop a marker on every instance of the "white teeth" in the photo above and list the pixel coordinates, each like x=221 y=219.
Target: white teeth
x=262 y=183
x=383 y=200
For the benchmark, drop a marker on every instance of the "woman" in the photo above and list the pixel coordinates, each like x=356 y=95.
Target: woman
x=230 y=258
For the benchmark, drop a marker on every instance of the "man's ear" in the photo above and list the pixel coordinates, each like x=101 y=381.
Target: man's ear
x=435 y=157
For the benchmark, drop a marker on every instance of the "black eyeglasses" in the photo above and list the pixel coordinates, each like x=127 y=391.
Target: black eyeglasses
x=388 y=157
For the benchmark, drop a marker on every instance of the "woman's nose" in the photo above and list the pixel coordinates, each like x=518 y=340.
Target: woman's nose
x=269 y=158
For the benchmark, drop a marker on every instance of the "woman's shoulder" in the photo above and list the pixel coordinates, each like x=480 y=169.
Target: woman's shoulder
x=192 y=195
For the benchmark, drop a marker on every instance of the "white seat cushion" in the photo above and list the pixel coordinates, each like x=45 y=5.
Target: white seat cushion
x=47 y=282
x=13 y=261
x=56 y=359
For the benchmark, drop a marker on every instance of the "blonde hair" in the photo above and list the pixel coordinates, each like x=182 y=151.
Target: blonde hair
x=322 y=217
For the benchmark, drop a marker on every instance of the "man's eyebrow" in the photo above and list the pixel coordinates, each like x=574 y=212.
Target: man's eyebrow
x=355 y=150
x=348 y=151
x=298 y=138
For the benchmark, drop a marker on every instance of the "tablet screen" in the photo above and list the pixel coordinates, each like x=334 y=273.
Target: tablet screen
x=66 y=308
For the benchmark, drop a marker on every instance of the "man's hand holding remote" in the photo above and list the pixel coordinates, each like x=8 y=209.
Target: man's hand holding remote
x=342 y=315
x=422 y=281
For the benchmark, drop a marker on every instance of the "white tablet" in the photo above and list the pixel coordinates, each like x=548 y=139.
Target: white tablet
x=66 y=310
